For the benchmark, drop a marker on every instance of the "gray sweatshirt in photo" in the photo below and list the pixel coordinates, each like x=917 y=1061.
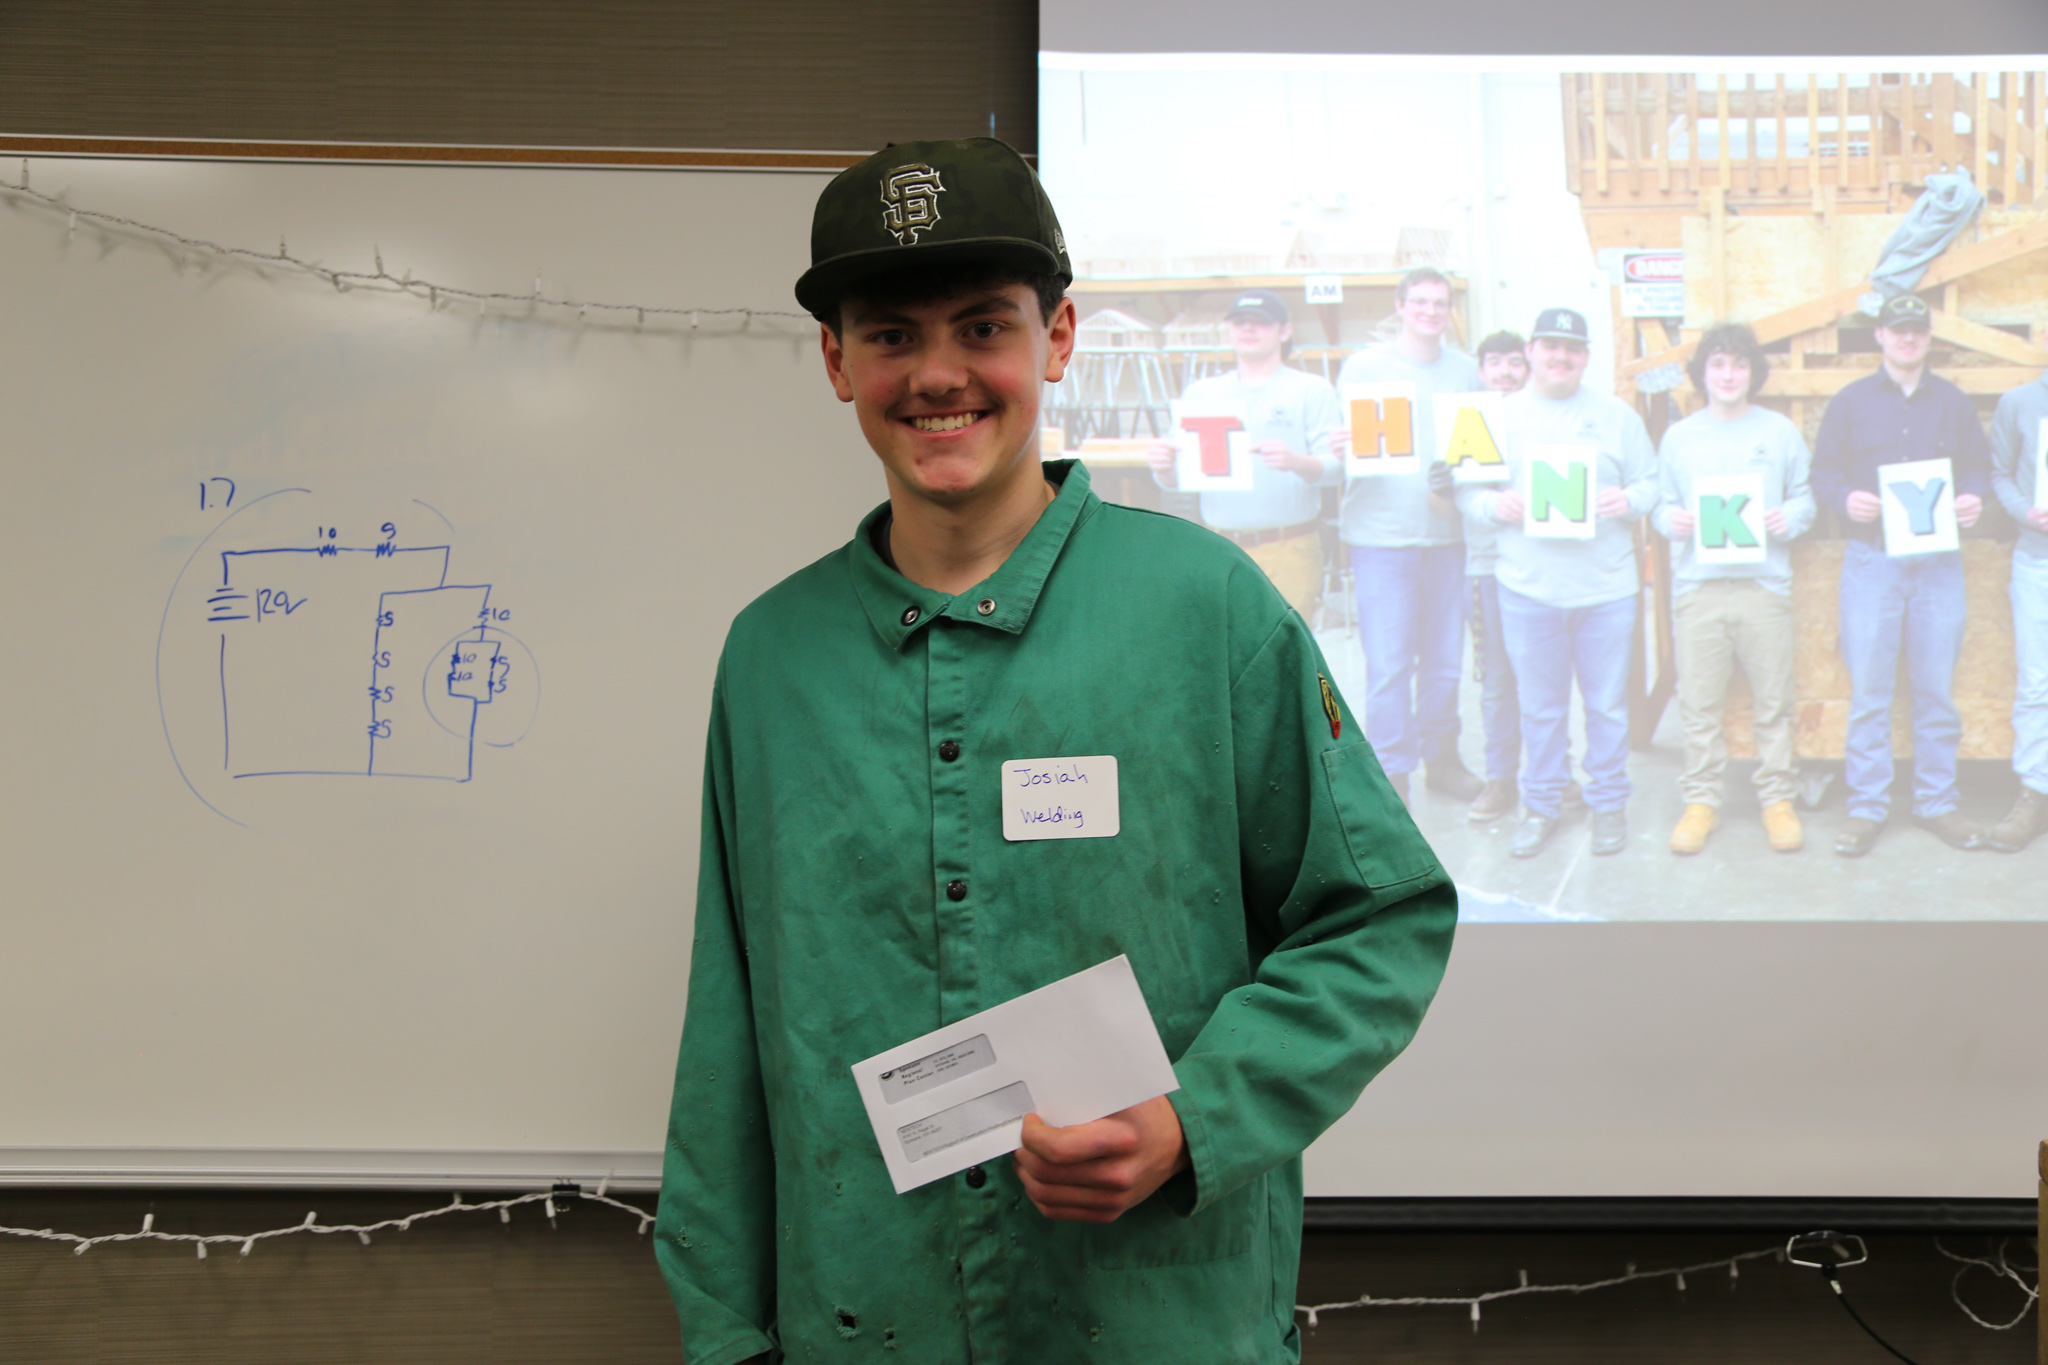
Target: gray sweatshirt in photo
x=1760 y=442
x=2015 y=458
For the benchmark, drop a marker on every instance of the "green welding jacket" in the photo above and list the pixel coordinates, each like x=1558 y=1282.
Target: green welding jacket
x=1287 y=924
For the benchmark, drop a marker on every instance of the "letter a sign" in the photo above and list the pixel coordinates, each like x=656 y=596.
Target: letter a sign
x=1558 y=492
x=1215 y=454
x=1468 y=428
x=1919 y=498
x=1384 y=439
x=1728 y=512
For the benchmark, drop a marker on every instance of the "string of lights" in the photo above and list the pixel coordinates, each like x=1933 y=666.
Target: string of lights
x=438 y=296
x=313 y=1226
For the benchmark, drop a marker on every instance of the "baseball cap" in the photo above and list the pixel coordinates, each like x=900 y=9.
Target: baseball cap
x=929 y=204
x=1561 y=323
x=1262 y=304
x=1905 y=312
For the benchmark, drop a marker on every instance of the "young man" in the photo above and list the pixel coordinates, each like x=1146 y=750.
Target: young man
x=1292 y=420
x=1913 y=604
x=857 y=888
x=2016 y=431
x=1736 y=612
x=1503 y=368
x=1568 y=607
x=1408 y=557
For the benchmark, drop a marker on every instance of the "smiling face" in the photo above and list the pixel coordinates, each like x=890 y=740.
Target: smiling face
x=1504 y=371
x=1254 y=338
x=1727 y=379
x=947 y=391
x=1556 y=366
x=1904 y=348
x=1426 y=310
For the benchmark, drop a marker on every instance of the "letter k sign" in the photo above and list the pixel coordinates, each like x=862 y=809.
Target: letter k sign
x=1721 y=522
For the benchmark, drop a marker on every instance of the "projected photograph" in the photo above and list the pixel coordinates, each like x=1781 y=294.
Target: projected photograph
x=1657 y=454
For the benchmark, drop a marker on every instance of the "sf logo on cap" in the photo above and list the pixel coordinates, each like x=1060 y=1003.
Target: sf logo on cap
x=910 y=202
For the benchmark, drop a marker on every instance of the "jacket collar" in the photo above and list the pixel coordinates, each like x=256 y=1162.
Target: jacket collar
x=898 y=608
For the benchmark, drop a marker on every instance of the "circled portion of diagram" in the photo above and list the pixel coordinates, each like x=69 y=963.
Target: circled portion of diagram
x=335 y=644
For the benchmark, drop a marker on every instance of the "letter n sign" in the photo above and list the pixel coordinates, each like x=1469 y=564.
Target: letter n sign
x=1383 y=435
x=1558 y=501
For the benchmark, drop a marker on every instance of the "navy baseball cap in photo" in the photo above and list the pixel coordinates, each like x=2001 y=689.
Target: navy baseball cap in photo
x=1905 y=313
x=1262 y=304
x=1561 y=323
x=930 y=203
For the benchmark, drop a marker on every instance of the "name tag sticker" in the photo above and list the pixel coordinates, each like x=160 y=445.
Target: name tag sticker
x=1060 y=798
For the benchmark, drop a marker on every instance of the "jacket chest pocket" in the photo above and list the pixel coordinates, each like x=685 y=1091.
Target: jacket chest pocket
x=1153 y=1235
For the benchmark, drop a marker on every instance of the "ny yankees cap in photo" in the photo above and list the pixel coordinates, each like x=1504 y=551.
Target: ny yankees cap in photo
x=930 y=203
x=1561 y=323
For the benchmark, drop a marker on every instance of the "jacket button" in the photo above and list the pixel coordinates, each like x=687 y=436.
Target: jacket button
x=976 y=1177
x=910 y=615
x=949 y=749
x=956 y=890
x=986 y=606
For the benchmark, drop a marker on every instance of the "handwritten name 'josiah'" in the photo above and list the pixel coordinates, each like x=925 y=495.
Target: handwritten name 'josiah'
x=1027 y=776
x=1057 y=815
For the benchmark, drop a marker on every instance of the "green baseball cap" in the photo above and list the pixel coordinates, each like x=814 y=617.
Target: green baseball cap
x=929 y=204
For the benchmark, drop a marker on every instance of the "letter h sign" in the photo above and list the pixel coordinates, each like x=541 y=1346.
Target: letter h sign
x=1383 y=435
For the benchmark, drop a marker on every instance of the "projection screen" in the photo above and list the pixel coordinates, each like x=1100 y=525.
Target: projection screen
x=1744 y=1021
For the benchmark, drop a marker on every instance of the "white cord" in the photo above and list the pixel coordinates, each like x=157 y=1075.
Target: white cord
x=1731 y=1264
x=81 y=1245
x=379 y=279
x=2001 y=1268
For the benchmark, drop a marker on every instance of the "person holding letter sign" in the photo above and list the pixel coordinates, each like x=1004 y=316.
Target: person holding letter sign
x=1732 y=496
x=1407 y=549
x=1895 y=596
x=1005 y=734
x=1582 y=470
x=1291 y=426
x=2019 y=448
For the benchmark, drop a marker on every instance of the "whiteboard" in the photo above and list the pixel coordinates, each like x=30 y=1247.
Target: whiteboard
x=358 y=656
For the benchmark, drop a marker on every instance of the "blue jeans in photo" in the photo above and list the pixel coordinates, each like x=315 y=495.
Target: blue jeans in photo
x=1411 y=624
x=1913 y=604
x=2030 y=690
x=1500 y=709
x=1550 y=647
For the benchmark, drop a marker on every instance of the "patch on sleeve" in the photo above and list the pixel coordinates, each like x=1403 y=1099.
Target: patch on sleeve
x=1330 y=707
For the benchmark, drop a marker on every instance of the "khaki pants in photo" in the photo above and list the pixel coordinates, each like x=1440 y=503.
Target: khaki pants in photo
x=1296 y=567
x=1718 y=623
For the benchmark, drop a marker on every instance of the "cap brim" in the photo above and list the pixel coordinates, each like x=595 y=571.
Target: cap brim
x=822 y=286
x=1557 y=336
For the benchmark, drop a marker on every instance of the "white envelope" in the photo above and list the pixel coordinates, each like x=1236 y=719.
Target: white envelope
x=1919 y=507
x=1077 y=1050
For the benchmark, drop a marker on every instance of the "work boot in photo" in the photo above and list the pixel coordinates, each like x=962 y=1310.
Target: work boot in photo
x=1448 y=774
x=1610 y=831
x=1953 y=829
x=1858 y=836
x=2028 y=817
x=1689 y=836
x=1531 y=834
x=1495 y=799
x=1781 y=827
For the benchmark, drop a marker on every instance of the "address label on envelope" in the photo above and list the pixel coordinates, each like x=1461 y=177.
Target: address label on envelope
x=1077 y=1050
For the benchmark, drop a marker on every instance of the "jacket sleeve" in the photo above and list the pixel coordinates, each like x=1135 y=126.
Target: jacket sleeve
x=1830 y=467
x=1350 y=916
x=1670 y=493
x=2005 y=459
x=1973 y=469
x=714 y=1228
x=1798 y=505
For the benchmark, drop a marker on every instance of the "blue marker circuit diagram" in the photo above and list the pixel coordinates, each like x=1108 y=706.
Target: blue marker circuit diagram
x=340 y=656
